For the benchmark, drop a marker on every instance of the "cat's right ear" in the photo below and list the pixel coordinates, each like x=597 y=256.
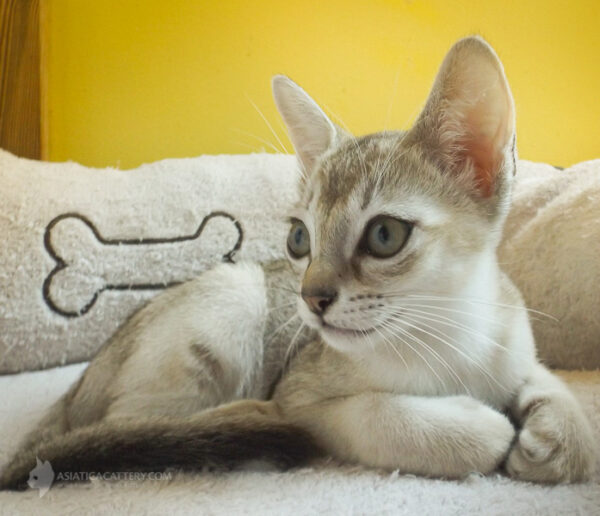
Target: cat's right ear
x=468 y=123
x=311 y=131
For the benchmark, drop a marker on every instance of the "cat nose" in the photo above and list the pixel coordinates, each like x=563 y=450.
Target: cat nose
x=318 y=301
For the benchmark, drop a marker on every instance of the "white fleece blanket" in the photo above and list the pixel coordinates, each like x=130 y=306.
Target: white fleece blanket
x=82 y=248
x=325 y=488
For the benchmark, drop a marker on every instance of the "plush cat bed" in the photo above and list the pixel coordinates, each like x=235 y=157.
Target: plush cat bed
x=82 y=248
x=325 y=488
x=551 y=250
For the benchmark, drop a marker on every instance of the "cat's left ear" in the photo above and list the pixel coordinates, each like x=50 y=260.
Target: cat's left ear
x=468 y=122
x=311 y=131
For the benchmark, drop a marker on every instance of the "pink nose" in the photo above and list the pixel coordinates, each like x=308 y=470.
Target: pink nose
x=319 y=301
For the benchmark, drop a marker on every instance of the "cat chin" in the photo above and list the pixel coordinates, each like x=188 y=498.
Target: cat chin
x=345 y=333
x=348 y=341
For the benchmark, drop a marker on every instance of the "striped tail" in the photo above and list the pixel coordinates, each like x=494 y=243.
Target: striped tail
x=220 y=438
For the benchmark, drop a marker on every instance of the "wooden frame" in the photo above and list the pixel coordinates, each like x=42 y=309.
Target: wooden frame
x=21 y=90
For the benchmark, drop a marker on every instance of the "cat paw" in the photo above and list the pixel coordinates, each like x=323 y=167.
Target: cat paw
x=496 y=435
x=484 y=440
x=555 y=444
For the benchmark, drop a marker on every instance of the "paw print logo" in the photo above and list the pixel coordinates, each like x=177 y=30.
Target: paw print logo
x=41 y=477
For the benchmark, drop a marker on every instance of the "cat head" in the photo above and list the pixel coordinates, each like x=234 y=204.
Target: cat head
x=394 y=214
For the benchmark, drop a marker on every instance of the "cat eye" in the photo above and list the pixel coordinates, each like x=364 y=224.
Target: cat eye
x=298 y=241
x=385 y=236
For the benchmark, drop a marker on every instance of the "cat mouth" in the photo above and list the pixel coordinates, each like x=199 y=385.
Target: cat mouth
x=346 y=332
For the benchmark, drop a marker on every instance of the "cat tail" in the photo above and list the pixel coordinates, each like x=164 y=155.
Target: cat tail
x=219 y=438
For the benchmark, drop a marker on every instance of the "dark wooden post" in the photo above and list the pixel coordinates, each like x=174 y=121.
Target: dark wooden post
x=20 y=93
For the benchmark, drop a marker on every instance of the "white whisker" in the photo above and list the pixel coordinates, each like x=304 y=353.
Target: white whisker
x=436 y=355
x=262 y=140
x=281 y=307
x=419 y=326
x=268 y=287
x=480 y=301
x=290 y=348
x=453 y=324
x=391 y=345
x=390 y=158
x=366 y=335
x=285 y=151
x=280 y=328
x=454 y=310
x=391 y=328
x=354 y=140
x=388 y=115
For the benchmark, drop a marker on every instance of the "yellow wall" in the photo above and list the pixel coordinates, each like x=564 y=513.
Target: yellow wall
x=131 y=81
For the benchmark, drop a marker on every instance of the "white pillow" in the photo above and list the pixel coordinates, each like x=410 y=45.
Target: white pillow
x=83 y=248
x=551 y=250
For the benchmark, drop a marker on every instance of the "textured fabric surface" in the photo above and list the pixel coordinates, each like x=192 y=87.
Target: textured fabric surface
x=551 y=250
x=325 y=488
x=118 y=232
x=83 y=248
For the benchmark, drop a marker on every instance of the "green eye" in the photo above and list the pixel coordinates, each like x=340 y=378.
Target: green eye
x=385 y=236
x=298 y=241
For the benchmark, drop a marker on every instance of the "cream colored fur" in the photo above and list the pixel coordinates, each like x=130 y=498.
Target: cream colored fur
x=395 y=397
x=550 y=249
x=422 y=358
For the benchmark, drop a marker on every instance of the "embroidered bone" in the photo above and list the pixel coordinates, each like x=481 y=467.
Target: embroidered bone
x=87 y=263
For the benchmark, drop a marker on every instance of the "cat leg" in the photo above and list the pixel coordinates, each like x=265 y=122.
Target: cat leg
x=192 y=347
x=433 y=436
x=556 y=442
x=201 y=348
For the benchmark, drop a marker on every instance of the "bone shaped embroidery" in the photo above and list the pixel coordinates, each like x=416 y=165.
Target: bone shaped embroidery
x=88 y=264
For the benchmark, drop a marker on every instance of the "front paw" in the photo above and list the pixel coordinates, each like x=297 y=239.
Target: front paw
x=555 y=445
x=482 y=442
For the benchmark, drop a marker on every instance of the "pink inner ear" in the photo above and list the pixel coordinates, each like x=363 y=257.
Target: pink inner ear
x=482 y=156
x=481 y=146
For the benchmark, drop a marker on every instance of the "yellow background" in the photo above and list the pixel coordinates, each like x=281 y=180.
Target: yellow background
x=132 y=81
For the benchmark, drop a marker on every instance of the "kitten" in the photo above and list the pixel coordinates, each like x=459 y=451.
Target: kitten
x=420 y=347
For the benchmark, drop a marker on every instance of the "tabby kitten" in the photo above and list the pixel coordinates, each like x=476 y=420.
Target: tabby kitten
x=420 y=350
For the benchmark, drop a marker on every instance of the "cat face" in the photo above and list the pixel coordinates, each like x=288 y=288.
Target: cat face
x=394 y=215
